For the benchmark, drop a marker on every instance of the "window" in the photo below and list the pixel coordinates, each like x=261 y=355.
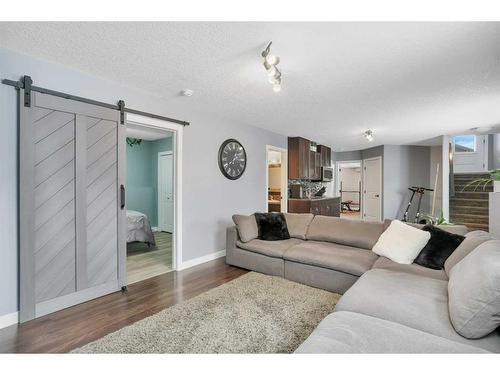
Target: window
x=464 y=143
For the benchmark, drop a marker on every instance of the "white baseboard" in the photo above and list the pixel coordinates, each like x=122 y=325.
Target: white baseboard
x=196 y=261
x=155 y=229
x=9 y=319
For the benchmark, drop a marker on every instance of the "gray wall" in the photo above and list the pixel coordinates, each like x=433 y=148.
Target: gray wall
x=404 y=166
x=209 y=199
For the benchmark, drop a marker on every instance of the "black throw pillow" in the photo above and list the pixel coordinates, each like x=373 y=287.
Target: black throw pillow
x=272 y=226
x=439 y=247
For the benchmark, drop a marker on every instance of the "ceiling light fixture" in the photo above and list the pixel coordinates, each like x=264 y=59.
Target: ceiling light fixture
x=187 y=92
x=368 y=135
x=270 y=62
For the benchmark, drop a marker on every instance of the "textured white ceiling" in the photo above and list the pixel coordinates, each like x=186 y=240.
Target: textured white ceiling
x=406 y=81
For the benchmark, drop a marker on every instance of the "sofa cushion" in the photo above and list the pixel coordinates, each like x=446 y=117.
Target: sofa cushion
x=348 y=332
x=274 y=249
x=451 y=228
x=414 y=301
x=363 y=234
x=272 y=226
x=337 y=257
x=440 y=246
x=474 y=291
x=247 y=227
x=401 y=243
x=298 y=224
x=414 y=269
x=471 y=241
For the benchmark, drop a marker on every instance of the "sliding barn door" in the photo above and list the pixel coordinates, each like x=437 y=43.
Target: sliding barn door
x=72 y=245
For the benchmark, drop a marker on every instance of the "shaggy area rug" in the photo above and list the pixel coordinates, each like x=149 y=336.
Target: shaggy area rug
x=254 y=313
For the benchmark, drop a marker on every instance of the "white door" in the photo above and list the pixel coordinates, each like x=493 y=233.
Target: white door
x=165 y=192
x=470 y=153
x=372 y=189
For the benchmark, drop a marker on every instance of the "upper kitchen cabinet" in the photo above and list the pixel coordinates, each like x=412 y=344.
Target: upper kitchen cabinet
x=299 y=155
x=326 y=155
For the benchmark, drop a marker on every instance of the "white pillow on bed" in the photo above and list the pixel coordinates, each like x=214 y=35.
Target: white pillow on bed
x=401 y=243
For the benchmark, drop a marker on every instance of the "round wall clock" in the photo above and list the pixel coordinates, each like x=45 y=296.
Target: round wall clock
x=232 y=159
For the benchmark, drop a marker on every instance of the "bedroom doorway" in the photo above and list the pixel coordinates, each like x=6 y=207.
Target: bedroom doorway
x=149 y=201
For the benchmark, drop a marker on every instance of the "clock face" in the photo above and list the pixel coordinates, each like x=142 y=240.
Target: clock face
x=232 y=159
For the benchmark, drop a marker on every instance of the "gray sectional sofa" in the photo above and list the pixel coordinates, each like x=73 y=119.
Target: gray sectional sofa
x=386 y=307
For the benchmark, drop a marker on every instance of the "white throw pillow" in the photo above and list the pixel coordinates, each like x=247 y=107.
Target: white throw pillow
x=401 y=243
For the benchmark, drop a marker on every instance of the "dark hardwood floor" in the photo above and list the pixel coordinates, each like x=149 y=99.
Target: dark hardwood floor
x=78 y=325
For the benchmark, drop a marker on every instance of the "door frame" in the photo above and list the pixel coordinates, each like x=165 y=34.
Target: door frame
x=380 y=186
x=284 y=176
x=177 y=143
x=337 y=182
x=162 y=153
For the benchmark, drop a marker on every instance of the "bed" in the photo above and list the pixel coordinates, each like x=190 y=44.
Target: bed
x=139 y=228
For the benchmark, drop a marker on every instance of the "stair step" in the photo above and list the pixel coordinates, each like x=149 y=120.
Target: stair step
x=472 y=189
x=457 y=209
x=472 y=195
x=464 y=202
x=468 y=218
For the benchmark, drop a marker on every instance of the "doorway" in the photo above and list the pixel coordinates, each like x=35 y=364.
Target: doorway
x=372 y=189
x=470 y=153
x=152 y=199
x=276 y=179
x=349 y=189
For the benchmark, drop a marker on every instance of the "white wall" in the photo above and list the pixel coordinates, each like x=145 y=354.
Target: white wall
x=209 y=199
x=350 y=178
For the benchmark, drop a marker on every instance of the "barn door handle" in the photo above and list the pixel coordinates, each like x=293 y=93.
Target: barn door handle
x=122 y=197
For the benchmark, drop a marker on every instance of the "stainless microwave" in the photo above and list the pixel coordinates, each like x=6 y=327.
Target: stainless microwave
x=326 y=174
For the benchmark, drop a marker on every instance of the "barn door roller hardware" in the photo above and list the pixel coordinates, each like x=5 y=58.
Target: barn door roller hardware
x=26 y=83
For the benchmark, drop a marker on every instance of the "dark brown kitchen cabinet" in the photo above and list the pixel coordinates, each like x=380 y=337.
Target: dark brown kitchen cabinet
x=314 y=165
x=299 y=165
x=324 y=206
x=326 y=155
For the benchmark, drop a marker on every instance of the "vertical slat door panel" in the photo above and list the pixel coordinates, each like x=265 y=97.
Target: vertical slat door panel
x=53 y=258
x=102 y=203
x=70 y=209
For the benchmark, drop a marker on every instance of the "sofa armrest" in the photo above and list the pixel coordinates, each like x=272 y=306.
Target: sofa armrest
x=231 y=238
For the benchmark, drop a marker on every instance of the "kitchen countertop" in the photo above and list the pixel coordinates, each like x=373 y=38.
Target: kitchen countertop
x=313 y=199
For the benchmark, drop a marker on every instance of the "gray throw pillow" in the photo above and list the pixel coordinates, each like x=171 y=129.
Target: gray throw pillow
x=297 y=224
x=472 y=240
x=474 y=291
x=247 y=227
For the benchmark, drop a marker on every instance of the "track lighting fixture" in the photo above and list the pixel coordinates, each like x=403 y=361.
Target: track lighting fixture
x=368 y=135
x=270 y=62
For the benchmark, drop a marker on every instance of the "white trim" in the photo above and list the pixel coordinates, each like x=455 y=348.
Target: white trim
x=9 y=319
x=381 y=169
x=446 y=176
x=177 y=150
x=284 y=177
x=206 y=258
x=160 y=154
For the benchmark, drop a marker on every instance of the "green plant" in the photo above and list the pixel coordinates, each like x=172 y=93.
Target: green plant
x=483 y=182
x=440 y=220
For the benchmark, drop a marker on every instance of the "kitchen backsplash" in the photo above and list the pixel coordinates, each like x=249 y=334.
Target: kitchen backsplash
x=308 y=187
